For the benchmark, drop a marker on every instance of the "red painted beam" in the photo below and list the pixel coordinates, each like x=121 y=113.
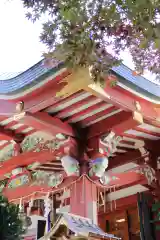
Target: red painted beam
x=75 y=117
x=8 y=135
x=36 y=100
x=126 y=100
x=24 y=191
x=93 y=118
x=141 y=181
x=42 y=121
x=131 y=156
x=121 y=204
x=24 y=159
x=118 y=124
x=27 y=192
x=126 y=179
x=75 y=106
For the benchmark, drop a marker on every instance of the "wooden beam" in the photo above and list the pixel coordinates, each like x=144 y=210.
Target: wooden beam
x=43 y=122
x=125 y=179
x=126 y=100
x=8 y=135
x=122 y=122
x=121 y=204
x=37 y=99
x=24 y=160
x=29 y=192
x=131 y=156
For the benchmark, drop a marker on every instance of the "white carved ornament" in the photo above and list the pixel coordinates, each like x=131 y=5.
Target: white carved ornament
x=108 y=144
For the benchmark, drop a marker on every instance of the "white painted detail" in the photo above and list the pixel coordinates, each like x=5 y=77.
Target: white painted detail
x=68 y=103
x=6 y=121
x=125 y=192
x=141 y=134
x=60 y=136
x=121 y=220
x=103 y=117
x=124 y=168
x=81 y=108
x=125 y=145
x=27 y=130
x=64 y=209
x=18 y=116
x=16 y=126
x=3 y=142
x=136 y=141
x=149 y=128
x=120 y=151
x=91 y=113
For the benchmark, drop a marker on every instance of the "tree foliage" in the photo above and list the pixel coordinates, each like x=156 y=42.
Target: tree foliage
x=10 y=224
x=83 y=30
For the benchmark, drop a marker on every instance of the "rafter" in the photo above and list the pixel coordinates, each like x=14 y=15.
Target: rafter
x=42 y=121
x=122 y=122
x=8 y=135
x=131 y=156
x=125 y=100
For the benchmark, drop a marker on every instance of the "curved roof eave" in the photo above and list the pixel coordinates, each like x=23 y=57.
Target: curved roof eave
x=137 y=83
x=39 y=72
x=28 y=79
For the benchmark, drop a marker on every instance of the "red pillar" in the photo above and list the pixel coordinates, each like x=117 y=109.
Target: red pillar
x=83 y=199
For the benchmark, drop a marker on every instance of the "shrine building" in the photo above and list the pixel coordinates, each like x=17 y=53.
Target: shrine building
x=70 y=145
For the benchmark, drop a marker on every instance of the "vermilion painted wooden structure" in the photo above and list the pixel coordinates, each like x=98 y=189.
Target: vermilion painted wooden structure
x=30 y=110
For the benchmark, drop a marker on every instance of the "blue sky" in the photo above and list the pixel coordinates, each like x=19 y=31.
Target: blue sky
x=20 y=47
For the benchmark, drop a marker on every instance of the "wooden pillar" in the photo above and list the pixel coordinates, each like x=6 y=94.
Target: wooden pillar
x=83 y=199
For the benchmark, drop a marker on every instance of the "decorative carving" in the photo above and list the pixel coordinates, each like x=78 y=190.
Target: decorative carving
x=145 y=153
x=3 y=184
x=7 y=154
x=149 y=173
x=70 y=165
x=17 y=171
x=49 y=179
x=19 y=181
x=38 y=144
x=98 y=167
x=108 y=144
x=19 y=178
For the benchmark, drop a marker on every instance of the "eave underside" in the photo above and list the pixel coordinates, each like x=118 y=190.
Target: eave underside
x=93 y=113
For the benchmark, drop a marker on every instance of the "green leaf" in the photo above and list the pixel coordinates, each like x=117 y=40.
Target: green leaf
x=157 y=43
x=144 y=44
